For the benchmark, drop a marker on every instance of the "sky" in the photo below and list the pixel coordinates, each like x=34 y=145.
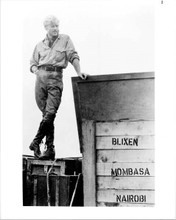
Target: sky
x=111 y=36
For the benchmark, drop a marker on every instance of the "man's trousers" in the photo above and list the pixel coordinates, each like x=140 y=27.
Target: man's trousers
x=48 y=93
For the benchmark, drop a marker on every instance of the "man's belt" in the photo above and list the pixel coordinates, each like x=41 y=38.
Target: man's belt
x=51 y=68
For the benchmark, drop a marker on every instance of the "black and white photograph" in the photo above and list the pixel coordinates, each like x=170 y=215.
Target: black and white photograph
x=88 y=92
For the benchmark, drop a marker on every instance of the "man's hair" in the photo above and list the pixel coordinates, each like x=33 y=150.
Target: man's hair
x=50 y=19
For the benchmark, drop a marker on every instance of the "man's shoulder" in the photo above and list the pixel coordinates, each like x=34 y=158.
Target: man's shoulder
x=40 y=43
x=64 y=36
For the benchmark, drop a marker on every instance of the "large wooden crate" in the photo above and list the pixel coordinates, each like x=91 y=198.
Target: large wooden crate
x=115 y=118
x=61 y=182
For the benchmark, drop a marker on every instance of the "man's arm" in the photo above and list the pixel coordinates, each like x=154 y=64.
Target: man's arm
x=73 y=58
x=34 y=61
x=76 y=65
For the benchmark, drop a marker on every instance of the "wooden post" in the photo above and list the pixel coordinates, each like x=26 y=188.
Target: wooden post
x=89 y=161
x=57 y=192
x=35 y=192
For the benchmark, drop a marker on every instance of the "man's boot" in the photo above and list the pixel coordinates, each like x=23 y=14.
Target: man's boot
x=37 y=140
x=50 y=135
x=49 y=154
x=35 y=147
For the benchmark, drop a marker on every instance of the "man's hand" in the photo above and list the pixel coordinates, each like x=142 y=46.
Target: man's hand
x=35 y=69
x=83 y=75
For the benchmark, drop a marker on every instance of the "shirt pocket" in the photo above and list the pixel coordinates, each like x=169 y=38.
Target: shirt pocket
x=43 y=53
x=60 y=54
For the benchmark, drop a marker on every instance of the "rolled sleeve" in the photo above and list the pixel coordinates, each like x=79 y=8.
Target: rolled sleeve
x=70 y=50
x=34 y=61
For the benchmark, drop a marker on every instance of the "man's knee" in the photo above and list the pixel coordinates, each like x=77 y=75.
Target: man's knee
x=49 y=117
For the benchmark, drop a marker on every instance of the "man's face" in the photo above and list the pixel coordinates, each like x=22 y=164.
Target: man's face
x=52 y=29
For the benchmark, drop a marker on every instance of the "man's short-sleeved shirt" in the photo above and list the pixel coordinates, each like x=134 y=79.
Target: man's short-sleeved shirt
x=59 y=54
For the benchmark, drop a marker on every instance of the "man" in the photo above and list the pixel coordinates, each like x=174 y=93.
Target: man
x=49 y=58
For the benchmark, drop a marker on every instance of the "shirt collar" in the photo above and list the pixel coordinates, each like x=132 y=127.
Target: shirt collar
x=46 y=40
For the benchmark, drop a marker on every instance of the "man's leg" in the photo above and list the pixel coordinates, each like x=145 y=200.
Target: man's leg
x=54 y=87
x=41 y=97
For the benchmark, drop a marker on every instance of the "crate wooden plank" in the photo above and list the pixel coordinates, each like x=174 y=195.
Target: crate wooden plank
x=125 y=142
x=46 y=162
x=35 y=193
x=57 y=192
x=118 y=76
x=42 y=170
x=89 y=161
x=125 y=169
x=115 y=204
x=41 y=190
x=64 y=190
x=40 y=167
x=107 y=156
x=124 y=196
x=125 y=182
x=125 y=128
